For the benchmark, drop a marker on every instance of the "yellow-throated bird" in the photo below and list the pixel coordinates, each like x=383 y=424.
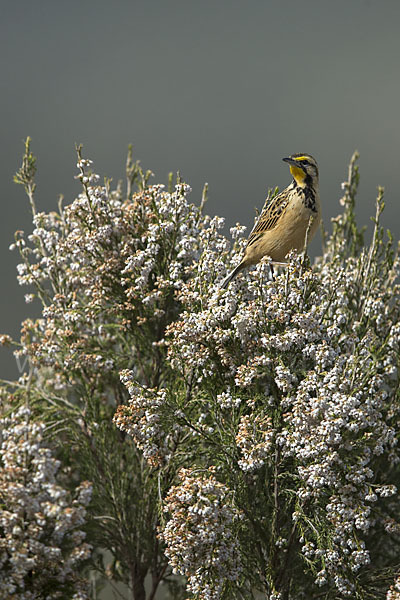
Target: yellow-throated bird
x=283 y=222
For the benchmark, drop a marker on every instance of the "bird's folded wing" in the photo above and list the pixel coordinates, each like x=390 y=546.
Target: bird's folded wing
x=270 y=215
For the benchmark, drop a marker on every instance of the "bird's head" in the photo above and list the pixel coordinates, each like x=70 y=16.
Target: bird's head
x=304 y=169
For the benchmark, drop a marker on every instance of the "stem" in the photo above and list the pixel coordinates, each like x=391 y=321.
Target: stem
x=137 y=582
x=30 y=192
x=156 y=582
x=373 y=248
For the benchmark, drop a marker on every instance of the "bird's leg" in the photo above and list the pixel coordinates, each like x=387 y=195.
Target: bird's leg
x=276 y=263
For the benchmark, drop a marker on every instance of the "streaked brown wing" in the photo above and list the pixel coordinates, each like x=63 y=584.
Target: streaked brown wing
x=270 y=214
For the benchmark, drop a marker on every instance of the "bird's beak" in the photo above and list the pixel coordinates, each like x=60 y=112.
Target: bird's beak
x=291 y=161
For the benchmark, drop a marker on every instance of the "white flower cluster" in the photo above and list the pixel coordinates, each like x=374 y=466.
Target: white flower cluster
x=142 y=420
x=394 y=591
x=173 y=233
x=41 y=538
x=254 y=438
x=200 y=534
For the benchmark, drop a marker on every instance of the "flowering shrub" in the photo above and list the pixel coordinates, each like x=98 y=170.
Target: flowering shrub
x=262 y=418
x=288 y=388
x=41 y=543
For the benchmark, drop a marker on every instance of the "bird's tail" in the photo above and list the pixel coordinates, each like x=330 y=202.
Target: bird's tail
x=225 y=282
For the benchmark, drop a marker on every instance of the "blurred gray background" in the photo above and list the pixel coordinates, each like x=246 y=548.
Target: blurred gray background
x=220 y=90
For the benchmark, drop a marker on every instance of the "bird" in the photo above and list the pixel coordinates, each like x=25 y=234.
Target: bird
x=284 y=219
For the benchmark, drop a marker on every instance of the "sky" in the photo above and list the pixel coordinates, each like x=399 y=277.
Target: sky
x=219 y=90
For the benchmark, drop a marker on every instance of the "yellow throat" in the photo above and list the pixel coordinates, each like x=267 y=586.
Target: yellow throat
x=298 y=175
